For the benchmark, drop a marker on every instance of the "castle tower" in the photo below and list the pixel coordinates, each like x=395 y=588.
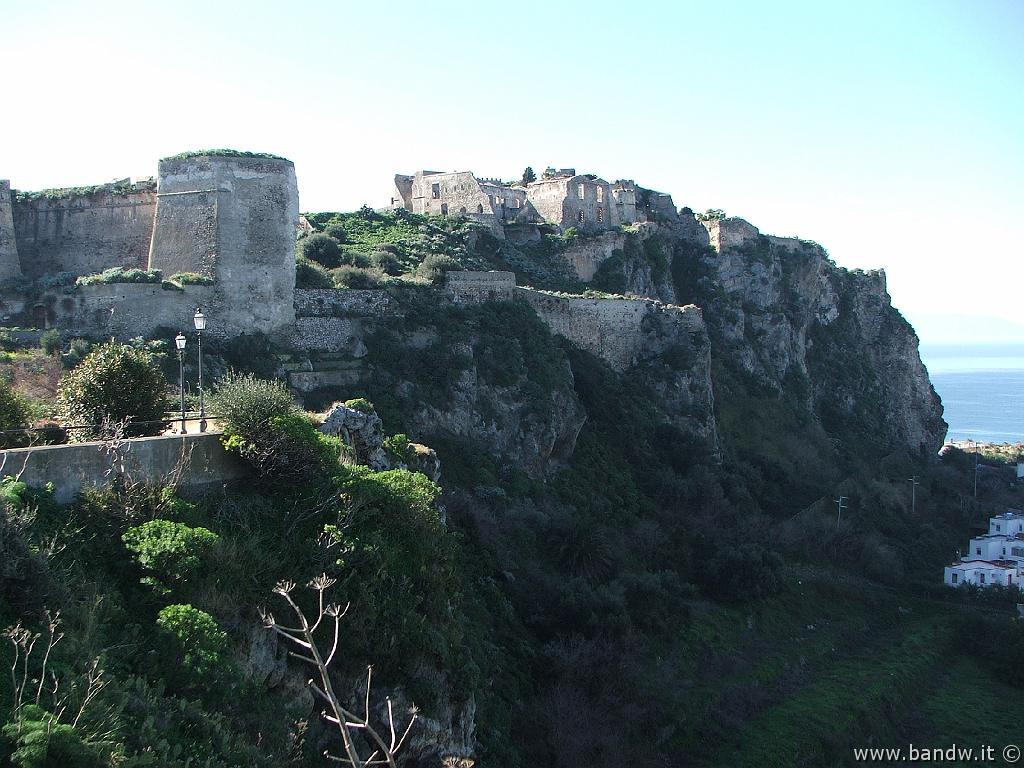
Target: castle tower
x=231 y=217
x=10 y=265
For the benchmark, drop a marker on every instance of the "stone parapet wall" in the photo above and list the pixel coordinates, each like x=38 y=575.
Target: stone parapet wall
x=72 y=468
x=330 y=334
x=474 y=287
x=335 y=302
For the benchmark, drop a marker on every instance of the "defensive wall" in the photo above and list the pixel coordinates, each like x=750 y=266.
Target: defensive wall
x=620 y=331
x=229 y=216
x=71 y=468
x=467 y=287
x=109 y=226
x=329 y=320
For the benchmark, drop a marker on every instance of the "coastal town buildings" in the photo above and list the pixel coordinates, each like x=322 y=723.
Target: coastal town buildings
x=996 y=557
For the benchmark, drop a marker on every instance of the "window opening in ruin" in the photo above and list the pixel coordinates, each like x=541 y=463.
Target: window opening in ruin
x=579 y=191
x=435 y=191
x=517 y=203
x=580 y=216
x=600 y=214
x=600 y=194
x=444 y=209
x=480 y=208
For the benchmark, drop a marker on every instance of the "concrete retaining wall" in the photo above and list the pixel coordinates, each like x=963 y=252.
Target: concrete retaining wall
x=74 y=467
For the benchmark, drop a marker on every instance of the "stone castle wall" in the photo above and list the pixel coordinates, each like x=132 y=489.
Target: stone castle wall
x=126 y=310
x=619 y=331
x=476 y=287
x=10 y=265
x=84 y=234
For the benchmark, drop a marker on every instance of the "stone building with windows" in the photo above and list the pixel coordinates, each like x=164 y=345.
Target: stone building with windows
x=461 y=192
x=560 y=196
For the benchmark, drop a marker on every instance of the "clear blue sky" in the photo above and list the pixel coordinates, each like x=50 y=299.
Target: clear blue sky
x=890 y=132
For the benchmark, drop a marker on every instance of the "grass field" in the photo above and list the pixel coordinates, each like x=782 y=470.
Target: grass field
x=802 y=679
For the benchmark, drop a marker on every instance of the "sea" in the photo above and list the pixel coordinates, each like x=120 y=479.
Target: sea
x=982 y=389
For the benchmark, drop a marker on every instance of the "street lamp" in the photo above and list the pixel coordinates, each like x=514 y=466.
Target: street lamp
x=179 y=342
x=200 y=322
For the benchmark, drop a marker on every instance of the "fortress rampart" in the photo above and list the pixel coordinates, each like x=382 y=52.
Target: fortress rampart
x=621 y=331
x=229 y=216
x=110 y=226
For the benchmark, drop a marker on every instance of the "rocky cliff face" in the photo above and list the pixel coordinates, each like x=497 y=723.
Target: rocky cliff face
x=782 y=312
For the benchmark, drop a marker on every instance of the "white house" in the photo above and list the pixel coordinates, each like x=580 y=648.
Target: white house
x=1009 y=523
x=996 y=557
x=983 y=573
x=996 y=547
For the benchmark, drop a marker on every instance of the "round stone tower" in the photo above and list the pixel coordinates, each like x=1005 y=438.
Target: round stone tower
x=231 y=217
x=10 y=265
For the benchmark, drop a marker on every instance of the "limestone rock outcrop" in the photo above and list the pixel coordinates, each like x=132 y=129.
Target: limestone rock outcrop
x=783 y=312
x=362 y=430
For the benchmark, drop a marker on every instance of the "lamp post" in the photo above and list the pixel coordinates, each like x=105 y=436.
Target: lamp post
x=179 y=342
x=200 y=322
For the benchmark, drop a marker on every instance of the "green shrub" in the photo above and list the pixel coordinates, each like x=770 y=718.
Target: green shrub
x=245 y=403
x=199 y=641
x=253 y=352
x=114 y=383
x=309 y=274
x=191 y=278
x=433 y=267
x=121 y=275
x=360 y=404
x=41 y=741
x=49 y=342
x=386 y=262
x=357 y=277
x=13 y=414
x=263 y=425
x=399 y=448
x=321 y=248
x=77 y=350
x=337 y=232
x=171 y=551
x=222 y=153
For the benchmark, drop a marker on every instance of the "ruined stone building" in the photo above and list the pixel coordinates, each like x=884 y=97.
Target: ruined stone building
x=560 y=197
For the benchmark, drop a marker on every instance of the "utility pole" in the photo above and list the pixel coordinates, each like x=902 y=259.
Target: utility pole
x=913 y=493
x=975 y=473
x=841 y=504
